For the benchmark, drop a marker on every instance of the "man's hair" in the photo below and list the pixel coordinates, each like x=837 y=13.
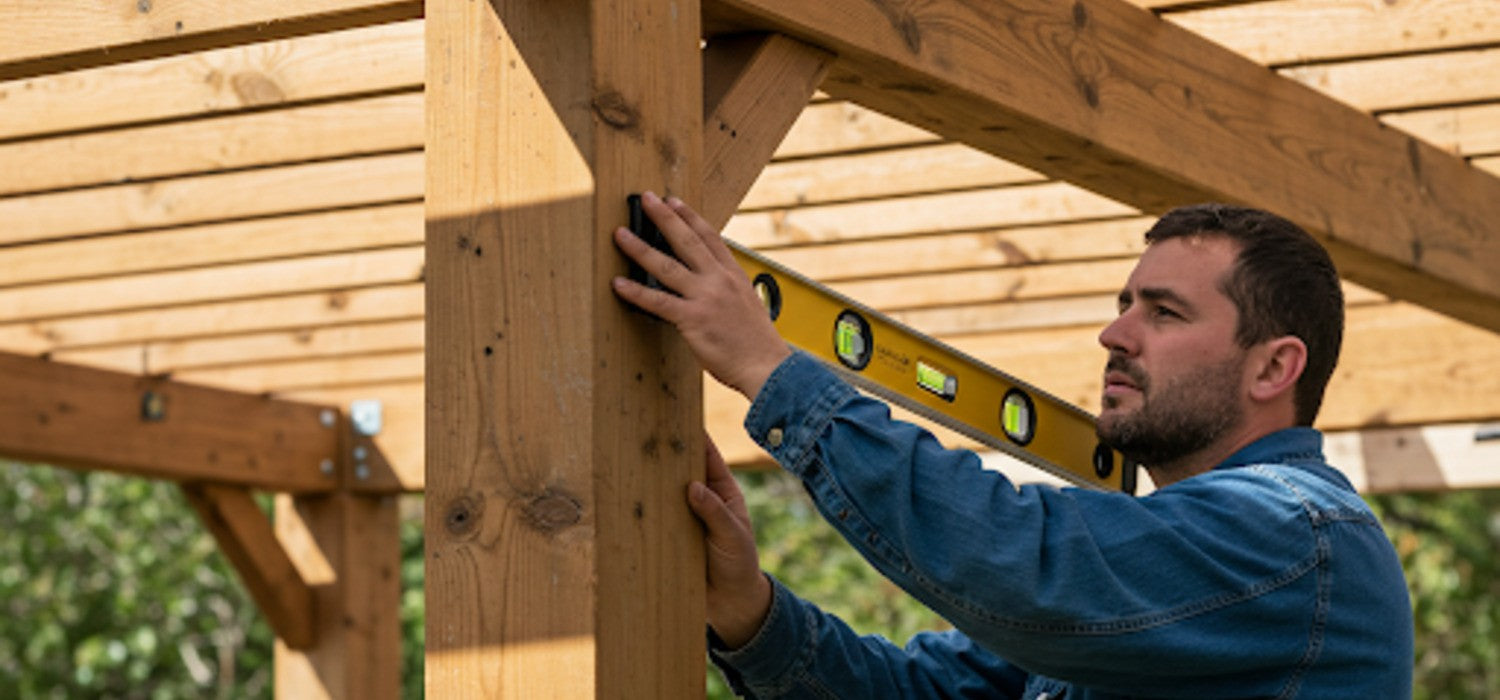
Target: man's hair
x=1283 y=283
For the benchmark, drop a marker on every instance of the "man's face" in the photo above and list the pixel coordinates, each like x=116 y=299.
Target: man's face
x=1174 y=380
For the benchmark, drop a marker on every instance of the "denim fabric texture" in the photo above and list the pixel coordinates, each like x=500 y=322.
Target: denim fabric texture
x=1267 y=577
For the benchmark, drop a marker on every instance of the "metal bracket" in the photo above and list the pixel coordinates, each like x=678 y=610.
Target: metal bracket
x=366 y=418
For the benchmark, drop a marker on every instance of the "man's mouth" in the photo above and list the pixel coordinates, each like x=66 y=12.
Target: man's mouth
x=1121 y=378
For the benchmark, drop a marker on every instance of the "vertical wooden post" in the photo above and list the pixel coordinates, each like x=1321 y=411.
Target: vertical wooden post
x=562 y=428
x=347 y=547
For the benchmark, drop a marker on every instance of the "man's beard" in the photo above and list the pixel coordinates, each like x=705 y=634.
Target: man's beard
x=1178 y=419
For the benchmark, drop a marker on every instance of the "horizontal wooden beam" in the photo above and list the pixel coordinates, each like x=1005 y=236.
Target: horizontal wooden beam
x=365 y=60
x=85 y=418
x=1022 y=205
x=1406 y=82
x=1278 y=32
x=248 y=541
x=918 y=169
x=47 y=37
x=240 y=281
x=166 y=357
x=335 y=306
x=296 y=134
x=1462 y=130
x=271 y=238
x=1418 y=458
x=202 y=199
x=1119 y=101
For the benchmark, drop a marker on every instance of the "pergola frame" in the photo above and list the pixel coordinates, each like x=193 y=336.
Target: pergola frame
x=562 y=427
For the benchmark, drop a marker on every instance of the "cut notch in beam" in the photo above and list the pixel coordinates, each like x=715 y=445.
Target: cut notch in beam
x=248 y=540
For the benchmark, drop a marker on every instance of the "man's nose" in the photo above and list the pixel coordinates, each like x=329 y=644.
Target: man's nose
x=1118 y=336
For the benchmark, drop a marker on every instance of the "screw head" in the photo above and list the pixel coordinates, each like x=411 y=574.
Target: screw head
x=327 y=417
x=361 y=471
x=360 y=452
x=326 y=467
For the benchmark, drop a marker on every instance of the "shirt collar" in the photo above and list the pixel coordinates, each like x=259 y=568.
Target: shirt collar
x=1298 y=447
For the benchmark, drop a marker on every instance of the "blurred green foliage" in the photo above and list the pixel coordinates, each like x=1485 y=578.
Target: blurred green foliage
x=111 y=588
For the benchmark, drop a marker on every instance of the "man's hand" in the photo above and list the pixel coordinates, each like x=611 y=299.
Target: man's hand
x=739 y=596
x=715 y=309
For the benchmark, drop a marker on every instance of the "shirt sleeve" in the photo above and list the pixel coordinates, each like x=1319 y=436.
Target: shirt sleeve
x=804 y=652
x=1097 y=588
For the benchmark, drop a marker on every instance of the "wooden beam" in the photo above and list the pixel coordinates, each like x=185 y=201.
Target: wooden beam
x=335 y=306
x=1279 y=32
x=295 y=134
x=968 y=249
x=205 y=198
x=755 y=87
x=248 y=541
x=240 y=281
x=1418 y=458
x=1406 y=82
x=85 y=418
x=900 y=172
x=1113 y=98
x=45 y=37
x=950 y=211
x=1461 y=130
x=365 y=60
x=562 y=427
x=167 y=357
x=347 y=546
x=214 y=244
x=831 y=128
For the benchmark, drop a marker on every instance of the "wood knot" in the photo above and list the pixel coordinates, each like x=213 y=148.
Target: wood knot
x=552 y=512
x=462 y=516
x=613 y=109
x=256 y=89
x=1080 y=15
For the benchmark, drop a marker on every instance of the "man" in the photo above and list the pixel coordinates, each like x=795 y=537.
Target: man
x=1253 y=571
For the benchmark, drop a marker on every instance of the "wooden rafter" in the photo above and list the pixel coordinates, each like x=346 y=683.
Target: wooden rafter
x=87 y=418
x=46 y=37
x=1119 y=101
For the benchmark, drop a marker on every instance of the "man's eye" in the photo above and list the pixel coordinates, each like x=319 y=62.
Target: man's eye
x=1164 y=312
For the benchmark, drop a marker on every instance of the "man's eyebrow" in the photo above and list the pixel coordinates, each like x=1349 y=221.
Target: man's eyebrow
x=1160 y=294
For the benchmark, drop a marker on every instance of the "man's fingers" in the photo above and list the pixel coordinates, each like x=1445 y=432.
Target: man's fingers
x=660 y=265
x=686 y=242
x=712 y=510
x=663 y=305
x=705 y=230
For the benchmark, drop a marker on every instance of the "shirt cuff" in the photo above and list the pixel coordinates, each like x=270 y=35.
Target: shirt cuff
x=794 y=408
x=766 y=662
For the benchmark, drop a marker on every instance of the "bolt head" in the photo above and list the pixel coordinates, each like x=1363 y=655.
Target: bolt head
x=327 y=418
x=326 y=467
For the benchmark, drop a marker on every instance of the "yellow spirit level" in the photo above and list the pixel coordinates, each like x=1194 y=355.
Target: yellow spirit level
x=934 y=380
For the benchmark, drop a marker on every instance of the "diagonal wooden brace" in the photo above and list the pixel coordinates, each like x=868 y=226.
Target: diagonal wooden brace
x=247 y=538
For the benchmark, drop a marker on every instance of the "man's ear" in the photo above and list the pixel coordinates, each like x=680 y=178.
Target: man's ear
x=1277 y=365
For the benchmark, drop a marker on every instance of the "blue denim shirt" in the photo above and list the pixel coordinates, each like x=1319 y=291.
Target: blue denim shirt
x=1267 y=577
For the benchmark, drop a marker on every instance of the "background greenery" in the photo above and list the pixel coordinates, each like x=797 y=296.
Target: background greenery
x=112 y=589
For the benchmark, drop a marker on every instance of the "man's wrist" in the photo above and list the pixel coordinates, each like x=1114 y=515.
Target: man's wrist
x=738 y=630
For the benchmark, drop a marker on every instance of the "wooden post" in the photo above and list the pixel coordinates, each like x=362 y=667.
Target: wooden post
x=347 y=547
x=562 y=427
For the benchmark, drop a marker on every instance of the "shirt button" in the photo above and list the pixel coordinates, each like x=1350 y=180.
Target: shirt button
x=774 y=436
